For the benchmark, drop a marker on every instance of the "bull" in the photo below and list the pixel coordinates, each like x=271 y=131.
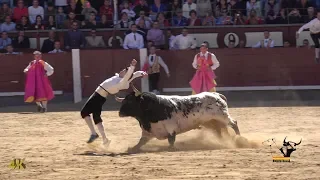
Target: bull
x=163 y=117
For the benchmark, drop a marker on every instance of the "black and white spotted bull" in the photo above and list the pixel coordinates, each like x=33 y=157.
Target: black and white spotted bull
x=163 y=117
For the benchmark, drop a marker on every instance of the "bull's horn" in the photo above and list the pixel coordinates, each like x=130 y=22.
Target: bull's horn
x=284 y=141
x=119 y=99
x=137 y=92
x=298 y=143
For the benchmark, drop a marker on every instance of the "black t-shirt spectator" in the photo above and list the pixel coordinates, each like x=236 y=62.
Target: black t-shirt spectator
x=24 y=44
x=48 y=45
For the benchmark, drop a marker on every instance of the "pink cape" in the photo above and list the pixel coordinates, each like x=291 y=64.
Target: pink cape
x=37 y=87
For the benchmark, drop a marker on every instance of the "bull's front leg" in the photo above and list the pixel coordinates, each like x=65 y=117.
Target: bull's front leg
x=171 y=140
x=144 y=139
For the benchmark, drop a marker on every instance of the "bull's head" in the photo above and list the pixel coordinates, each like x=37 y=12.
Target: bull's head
x=290 y=143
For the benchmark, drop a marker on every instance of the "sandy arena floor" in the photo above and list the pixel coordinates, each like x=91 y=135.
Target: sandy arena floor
x=54 y=147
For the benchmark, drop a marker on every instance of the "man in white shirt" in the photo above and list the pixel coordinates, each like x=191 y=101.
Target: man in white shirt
x=152 y=66
x=57 y=49
x=34 y=11
x=187 y=7
x=266 y=43
x=184 y=41
x=314 y=28
x=133 y=40
x=94 y=104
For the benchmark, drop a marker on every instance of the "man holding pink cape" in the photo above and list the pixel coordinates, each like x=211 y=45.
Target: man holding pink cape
x=38 y=87
x=205 y=63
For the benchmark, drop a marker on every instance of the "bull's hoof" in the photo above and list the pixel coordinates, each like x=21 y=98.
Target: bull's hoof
x=133 y=150
x=172 y=149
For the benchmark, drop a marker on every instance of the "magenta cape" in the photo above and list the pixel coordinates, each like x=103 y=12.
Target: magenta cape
x=203 y=80
x=37 y=87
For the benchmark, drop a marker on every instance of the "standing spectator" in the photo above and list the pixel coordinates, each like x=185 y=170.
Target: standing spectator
x=179 y=20
x=282 y=18
x=106 y=9
x=146 y=19
x=60 y=17
x=70 y=20
x=124 y=22
x=8 y=25
x=4 y=40
x=21 y=41
x=222 y=7
x=51 y=24
x=4 y=12
x=61 y=3
x=133 y=40
x=48 y=44
x=203 y=7
x=34 y=11
x=95 y=41
x=50 y=10
x=187 y=7
x=74 y=38
x=311 y=15
x=87 y=10
x=105 y=23
x=57 y=46
x=173 y=8
x=91 y=22
x=253 y=5
x=142 y=6
x=24 y=25
x=163 y=22
x=10 y=51
x=253 y=19
x=209 y=20
x=184 y=41
x=19 y=11
x=193 y=20
x=156 y=35
x=38 y=25
x=266 y=43
x=126 y=9
x=158 y=7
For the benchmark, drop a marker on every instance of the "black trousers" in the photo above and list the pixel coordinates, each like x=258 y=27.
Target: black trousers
x=153 y=81
x=315 y=38
x=93 y=106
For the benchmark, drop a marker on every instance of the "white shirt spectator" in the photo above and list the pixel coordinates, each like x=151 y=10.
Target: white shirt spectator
x=186 y=8
x=313 y=26
x=34 y=12
x=264 y=43
x=184 y=42
x=130 y=13
x=133 y=41
x=56 y=51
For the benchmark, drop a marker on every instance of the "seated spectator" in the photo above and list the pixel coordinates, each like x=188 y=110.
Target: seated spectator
x=266 y=43
x=253 y=19
x=184 y=41
x=209 y=20
x=233 y=8
x=105 y=23
x=203 y=7
x=295 y=17
x=94 y=41
x=51 y=24
x=281 y=17
x=150 y=44
x=124 y=21
x=4 y=40
x=61 y=3
x=222 y=7
x=311 y=15
x=173 y=7
x=106 y=9
x=224 y=19
x=57 y=46
x=239 y=18
x=156 y=35
x=38 y=25
x=193 y=20
x=157 y=7
x=302 y=6
x=253 y=5
x=24 y=25
x=87 y=10
x=179 y=20
x=146 y=19
x=72 y=18
x=48 y=44
x=271 y=11
x=21 y=41
x=187 y=7
x=74 y=39
x=60 y=17
x=133 y=40
x=142 y=29
x=72 y=7
x=91 y=22
x=10 y=51
x=126 y=9
x=162 y=21
x=286 y=44
x=19 y=11
x=4 y=12
x=171 y=37
x=34 y=11
x=305 y=44
x=49 y=11
x=142 y=6
x=8 y=25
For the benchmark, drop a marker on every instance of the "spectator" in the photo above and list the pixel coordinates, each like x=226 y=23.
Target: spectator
x=305 y=44
x=233 y=7
x=74 y=39
x=61 y=3
x=209 y=20
x=282 y=18
x=76 y=8
x=173 y=8
x=171 y=37
x=8 y=25
x=60 y=17
x=105 y=23
x=133 y=40
x=4 y=12
x=142 y=6
x=179 y=20
x=253 y=5
x=184 y=41
x=302 y=6
x=131 y=14
x=51 y=24
x=193 y=20
x=48 y=44
x=238 y=18
x=286 y=44
x=124 y=22
x=91 y=22
x=288 y=5
x=97 y=4
x=266 y=43
x=10 y=51
x=94 y=41
x=253 y=19
x=142 y=29
x=224 y=19
x=222 y=7
x=4 y=40
x=50 y=10
x=156 y=35
x=19 y=11
x=311 y=15
x=162 y=21
x=146 y=19
x=87 y=10
x=106 y=9
x=203 y=7
x=21 y=41
x=57 y=46
x=271 y=11
x=24 y=25
x=38 y=25
x=295 y=17
x=68 y=23
x=187 y=7
x=34 y=11
x=158 y=7
x=241 y=5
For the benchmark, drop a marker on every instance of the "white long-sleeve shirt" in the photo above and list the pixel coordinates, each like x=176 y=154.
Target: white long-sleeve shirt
x=131 y=43
x=49 y=69
x=184 y=42
x=265 y=43
x=214 y=59
x=160 y=61
x=313 y=26
x=34 y=12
